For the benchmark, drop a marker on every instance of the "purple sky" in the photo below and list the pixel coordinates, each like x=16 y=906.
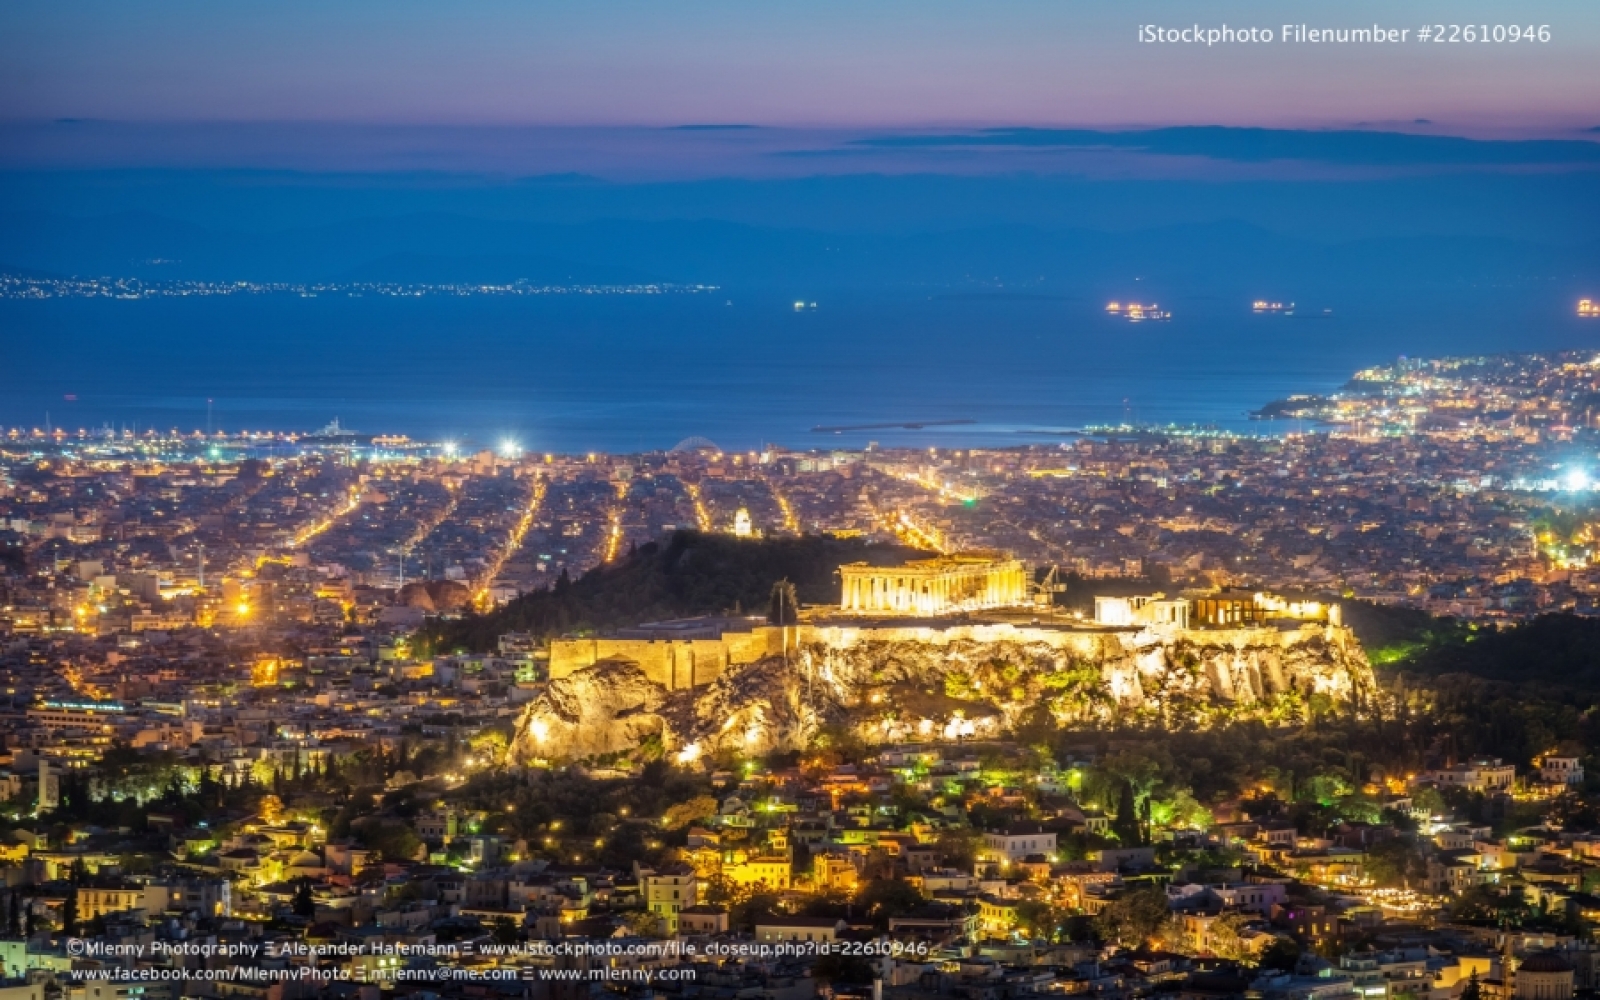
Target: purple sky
x=850 y=63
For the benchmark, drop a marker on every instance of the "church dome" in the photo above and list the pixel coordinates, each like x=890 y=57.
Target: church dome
x=1545 y=961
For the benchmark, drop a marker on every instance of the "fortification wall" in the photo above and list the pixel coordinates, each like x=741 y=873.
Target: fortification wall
x=679 y=664
x=741 y=693
x=675 y=664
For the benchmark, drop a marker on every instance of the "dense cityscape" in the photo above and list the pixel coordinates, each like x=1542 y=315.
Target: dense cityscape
x=35 y=287
x=304 y=698
x=833 y=501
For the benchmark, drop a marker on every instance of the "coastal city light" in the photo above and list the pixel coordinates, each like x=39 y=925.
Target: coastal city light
x=1167 y=568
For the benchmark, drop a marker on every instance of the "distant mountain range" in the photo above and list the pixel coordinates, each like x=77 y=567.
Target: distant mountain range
x=411 y=268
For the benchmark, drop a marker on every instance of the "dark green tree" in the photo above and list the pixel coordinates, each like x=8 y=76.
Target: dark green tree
x=847 y=969
x=884 y=898
x=1126 y=823
x=783 y=608
x=304 y=904
x=1135 y=918
x=1282 y=955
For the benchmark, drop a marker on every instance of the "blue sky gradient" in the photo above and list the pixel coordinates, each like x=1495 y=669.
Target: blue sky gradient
x=886 y=63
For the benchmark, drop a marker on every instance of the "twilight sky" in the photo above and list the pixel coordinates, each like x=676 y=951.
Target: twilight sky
x=848 y=63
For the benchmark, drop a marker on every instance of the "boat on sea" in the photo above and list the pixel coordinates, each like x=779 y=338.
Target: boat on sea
x=1136 y=312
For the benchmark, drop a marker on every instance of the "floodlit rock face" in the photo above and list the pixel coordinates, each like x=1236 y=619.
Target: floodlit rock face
x=609 y=707
x=964 y=681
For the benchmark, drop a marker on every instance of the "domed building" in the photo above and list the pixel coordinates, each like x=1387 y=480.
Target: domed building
x=304 y=864
x=1544 y=975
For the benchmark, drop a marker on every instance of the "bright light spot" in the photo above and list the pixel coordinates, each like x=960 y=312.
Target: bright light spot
x=1576 y=480
x=689 y=754
x=510 y=448
x=450 y=448
x=539 y=730
x=243 y=608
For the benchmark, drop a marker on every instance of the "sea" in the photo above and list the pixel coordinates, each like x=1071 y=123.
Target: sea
x=742 y=368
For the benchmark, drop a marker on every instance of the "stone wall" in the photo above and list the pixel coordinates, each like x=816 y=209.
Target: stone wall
x=774 y=688
x=675 y=664
x=1234 y=672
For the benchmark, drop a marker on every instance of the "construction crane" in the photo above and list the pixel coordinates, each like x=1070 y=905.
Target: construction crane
x=1045 y=590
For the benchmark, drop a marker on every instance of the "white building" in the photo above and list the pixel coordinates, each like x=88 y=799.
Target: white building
x=1017 y=842
x=1559 y=769
x=1481 y=774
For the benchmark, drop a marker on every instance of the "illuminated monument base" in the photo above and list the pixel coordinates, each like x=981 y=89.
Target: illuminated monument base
x=890 y=670
x=976 y=597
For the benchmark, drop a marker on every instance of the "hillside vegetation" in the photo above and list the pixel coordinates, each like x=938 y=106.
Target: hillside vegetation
x=1561 y=651
x=690 y=573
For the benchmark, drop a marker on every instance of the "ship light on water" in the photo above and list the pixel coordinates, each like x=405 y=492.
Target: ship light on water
x=1264 y=306
x=1589 y=308
x=1135 y=312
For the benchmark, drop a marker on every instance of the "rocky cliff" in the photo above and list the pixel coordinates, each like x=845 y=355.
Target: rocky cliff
x=948 y=683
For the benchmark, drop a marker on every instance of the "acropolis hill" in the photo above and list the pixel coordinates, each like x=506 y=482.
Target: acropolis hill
x=939 y=648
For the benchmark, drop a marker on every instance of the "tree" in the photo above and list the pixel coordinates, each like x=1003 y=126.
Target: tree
x=1135 y=918
x=643 y=923
x=1126 y=824
x=883 y=899
x=1179 y=811
x=748 y=908
x=1472 y=991
x=271 y=809
x=684 y=813
x=1394 y=862
x=783 y=608
x=1224 y=938
x=958 y=847
x=1281 y=955
x=1428 y=800
x=392 y=839
x=1039 y=920
x=506 y=932
x=838 y=968
x=1484 y=904
x=69 y=915
x=304 y=904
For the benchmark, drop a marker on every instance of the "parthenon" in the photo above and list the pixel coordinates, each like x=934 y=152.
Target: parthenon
x=962 y=582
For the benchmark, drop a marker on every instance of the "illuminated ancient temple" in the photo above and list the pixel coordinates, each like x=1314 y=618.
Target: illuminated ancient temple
x=961 y=582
